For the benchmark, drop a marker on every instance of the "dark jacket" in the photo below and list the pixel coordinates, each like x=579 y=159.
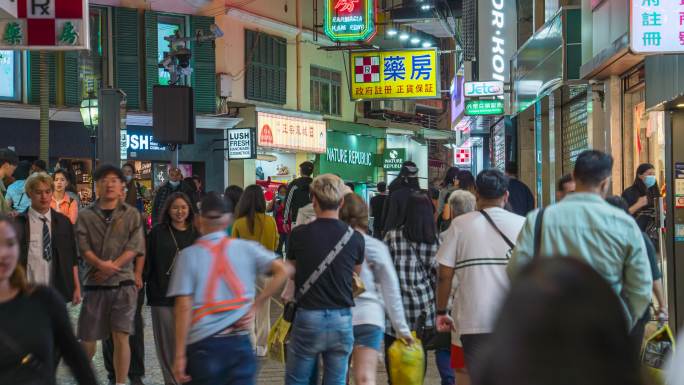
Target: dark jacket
x=394 y=211
x=64 y=251
x=520 y=197
x=297 y=197
x=645 y=216
x=164 y=191
x=377 y=204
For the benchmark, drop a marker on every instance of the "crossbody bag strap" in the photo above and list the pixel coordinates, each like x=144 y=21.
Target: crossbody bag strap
x=491 y=222
x=538 y=227
x=325 y=264
x=173 y=262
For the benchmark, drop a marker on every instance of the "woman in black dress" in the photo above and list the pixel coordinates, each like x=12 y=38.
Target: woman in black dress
x=642 y=198
x=33 y=323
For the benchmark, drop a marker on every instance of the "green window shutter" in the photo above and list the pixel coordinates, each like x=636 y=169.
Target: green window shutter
x=266 y=61
x=72 y=83
x=126 y=54
x=151 y=55
x=204 y=67
x=34 y=77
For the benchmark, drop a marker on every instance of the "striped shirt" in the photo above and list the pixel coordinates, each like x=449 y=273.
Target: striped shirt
x=479 y=255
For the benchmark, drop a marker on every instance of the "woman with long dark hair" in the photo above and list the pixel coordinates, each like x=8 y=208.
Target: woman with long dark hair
x=642 y=198
x=61 y=201
x=561 y=324
x=33 y=324
x=448 y=185
x=253 y=224
x=173 y=233
x=413 y=248
x=232 y=196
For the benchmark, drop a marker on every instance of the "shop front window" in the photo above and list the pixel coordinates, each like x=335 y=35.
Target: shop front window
x=10 y=75
x=167 y=26
x=325 y=91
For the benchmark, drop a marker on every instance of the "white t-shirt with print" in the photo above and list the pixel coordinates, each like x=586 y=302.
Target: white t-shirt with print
x=479 y=256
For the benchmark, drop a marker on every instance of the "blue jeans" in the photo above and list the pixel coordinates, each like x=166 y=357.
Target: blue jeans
x=446 y=372
x=222 y=360
x=327 y=333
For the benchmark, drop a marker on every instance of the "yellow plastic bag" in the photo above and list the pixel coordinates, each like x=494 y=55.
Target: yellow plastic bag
x=406 y=363
x=277 y=340
x=656 y=350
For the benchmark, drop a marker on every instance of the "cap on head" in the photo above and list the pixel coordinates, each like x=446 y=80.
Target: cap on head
x=107 y=169
x=408 y=168
x=213 y=206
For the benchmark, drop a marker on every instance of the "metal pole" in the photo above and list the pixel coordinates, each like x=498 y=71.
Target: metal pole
x=93 y=144
x=44 y=108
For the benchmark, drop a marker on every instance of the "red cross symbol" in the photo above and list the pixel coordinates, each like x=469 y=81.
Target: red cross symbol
x=367 y=69
x=462 y=155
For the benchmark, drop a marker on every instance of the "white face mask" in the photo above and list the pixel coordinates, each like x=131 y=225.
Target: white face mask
x=129 y=178
x=174 y=183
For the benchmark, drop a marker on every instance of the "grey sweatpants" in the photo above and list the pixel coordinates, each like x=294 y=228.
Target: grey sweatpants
x=164 y=329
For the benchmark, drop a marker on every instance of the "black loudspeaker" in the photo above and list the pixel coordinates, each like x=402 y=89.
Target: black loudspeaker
x=173 y=113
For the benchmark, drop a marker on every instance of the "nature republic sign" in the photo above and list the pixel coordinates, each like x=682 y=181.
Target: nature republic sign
x=393 y=158
x=349 y=20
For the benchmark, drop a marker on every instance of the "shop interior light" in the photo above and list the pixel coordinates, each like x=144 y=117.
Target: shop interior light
x=425 y=7
x=427 y=44
x=680 y=105
x=415 y=40
x=89 y=112
x=392 y=32
x=403 y=36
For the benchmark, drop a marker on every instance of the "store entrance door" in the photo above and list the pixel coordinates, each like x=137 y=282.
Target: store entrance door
x=674 y=235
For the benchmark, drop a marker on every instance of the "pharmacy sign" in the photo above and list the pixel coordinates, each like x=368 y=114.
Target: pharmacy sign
x=349 y=20
x=657 y=26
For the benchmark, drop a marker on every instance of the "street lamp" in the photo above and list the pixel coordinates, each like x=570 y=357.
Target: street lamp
x=89 y=114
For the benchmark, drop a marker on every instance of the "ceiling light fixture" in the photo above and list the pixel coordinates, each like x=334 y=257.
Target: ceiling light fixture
x=425 y=7
x=392 y=32
x=415 y=40
x=403 y=36
x=427 y=44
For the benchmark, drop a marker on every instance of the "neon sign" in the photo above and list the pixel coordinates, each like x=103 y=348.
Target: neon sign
x=349 y=20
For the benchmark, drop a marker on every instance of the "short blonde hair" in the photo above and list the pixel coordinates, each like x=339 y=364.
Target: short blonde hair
x=461 y=202
x=36 y=178
x=329 y=190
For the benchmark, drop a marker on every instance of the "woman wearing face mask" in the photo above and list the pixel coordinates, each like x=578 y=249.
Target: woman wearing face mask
x=174 y=233
x=279 y=215
x=642 y=199
x=61 y=201
x=33 y=324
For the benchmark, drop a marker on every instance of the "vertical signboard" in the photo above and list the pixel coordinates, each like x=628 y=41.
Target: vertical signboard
x=349 y=20
x=497 y=38
x=657 y=26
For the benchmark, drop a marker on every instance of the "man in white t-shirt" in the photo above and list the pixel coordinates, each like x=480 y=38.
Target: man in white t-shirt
x=476 y=250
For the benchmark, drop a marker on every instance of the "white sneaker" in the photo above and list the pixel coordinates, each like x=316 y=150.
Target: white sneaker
x=261 y=351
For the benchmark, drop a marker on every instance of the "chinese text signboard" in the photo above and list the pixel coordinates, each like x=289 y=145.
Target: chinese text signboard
x=349 y=20
x=657 y=26
x=47 y=25
x=242 y=143
x=291 y=133
x=484 y=107
x=406 y=74
x=393 y=158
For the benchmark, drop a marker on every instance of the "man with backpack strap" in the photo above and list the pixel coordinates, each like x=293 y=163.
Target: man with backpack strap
x=213 y=283
x=298 y=194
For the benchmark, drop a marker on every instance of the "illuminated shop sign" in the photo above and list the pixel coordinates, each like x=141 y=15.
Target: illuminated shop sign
x=291 y=132
x=657 y=26
x=474 y=89
x=349 y=20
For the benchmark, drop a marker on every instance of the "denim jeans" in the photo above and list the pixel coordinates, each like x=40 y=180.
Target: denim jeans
x=446 y=372
x=222 y=360
x=327 y=333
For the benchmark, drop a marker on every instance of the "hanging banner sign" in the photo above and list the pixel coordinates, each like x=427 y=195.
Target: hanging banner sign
x=484 y=107
x=657 y=26
x=349 y=20
x=475 y=89
x=393 y=158
x=405 y=74
x=291 y=133
x=50 y=25
x=242 y=143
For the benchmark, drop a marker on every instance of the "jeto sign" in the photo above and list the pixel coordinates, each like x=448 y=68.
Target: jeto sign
x=493 y=88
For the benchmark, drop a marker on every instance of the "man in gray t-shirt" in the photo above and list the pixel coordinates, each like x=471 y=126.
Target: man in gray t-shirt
x=110 y=238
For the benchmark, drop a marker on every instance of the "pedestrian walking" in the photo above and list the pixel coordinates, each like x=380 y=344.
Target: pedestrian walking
x=560 y=324
x=166 y=240
x=253 y=224
x=16 y=193
x=47 y=242
x=449 y=185
x=476 y=249
x=134 y=192
x=382 y=295
x=586 y=226
x=279 y=214
x=566 y=185
x=61 y=201
x=465 y=181
x=34 y=324
x=520 y=197
x=232 y=196
x=8 y=163
x=213 y=283
x=326 y=253
x=110 y=238
x=174 y=184
x=298 y=194
x=401 y=188
x=377 y=203
x=413 y=247
x=38 y=165
x=642 y=197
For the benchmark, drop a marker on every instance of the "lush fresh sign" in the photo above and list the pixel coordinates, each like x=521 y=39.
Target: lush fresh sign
x=349 y=20
x=393 y=158
x=484 y=107
x=657 y=26
x=242 y=143
x=475 y=89
x=405 y=74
